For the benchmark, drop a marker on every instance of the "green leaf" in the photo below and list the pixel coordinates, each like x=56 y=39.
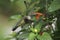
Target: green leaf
x=15 y=17
x=19 y=6
x=31 y=36
x=39 y=25
x=23 y=35
x=33 y=4
x=45 y=36
x=55 y=5
x=13 y=34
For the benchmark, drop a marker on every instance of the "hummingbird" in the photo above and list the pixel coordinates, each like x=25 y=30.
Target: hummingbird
x=27 y=20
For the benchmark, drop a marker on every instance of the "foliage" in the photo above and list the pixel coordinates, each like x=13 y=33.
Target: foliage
x=55 y=5
x=47 y=7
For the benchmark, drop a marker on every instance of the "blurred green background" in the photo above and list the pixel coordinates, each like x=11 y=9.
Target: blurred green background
x=5 y=25
x=7 y=8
